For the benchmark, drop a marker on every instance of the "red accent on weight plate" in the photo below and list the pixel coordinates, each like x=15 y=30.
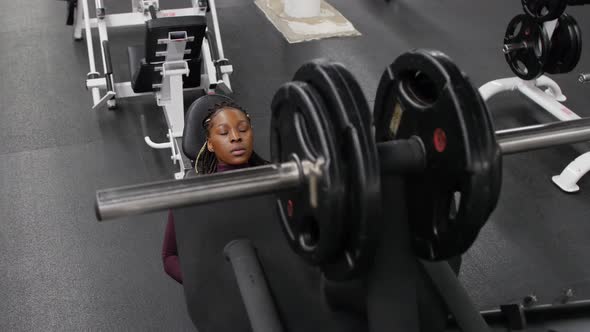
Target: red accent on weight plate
x=439 y=140
x=290 y=208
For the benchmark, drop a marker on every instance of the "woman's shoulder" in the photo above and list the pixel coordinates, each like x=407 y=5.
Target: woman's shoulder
x=256 y=160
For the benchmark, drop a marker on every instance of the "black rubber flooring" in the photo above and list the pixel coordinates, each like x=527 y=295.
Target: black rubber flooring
x=62 y=270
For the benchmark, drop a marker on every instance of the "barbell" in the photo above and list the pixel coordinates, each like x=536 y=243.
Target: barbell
x=431 y=127
x=530 y=51
x=548 y=10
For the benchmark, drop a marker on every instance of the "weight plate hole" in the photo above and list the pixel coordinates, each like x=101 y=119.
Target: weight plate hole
x=516 y=29
x=309 y=235
x=544 y=10
x=521 y=67
x=538 y=48
x=455 y=203
x=421 y=88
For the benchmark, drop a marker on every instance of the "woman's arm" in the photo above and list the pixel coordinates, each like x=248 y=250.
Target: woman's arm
x=170 y=251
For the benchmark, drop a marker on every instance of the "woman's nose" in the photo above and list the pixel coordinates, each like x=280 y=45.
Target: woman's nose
x=235 y=136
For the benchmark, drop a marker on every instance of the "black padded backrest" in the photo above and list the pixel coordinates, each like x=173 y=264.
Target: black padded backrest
x=193 y=136
x=160 y=27
x=211 y=291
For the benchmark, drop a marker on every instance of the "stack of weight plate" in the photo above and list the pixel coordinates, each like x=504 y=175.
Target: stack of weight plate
x=532 y=50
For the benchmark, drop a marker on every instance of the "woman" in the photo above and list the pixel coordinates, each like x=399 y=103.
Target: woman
x=229 y=146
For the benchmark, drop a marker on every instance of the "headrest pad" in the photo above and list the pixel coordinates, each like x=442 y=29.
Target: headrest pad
x=194 y=136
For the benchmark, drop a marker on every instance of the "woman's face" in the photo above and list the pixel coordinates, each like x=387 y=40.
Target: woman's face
x=230 y=137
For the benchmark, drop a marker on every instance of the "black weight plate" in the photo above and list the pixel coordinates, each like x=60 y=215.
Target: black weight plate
x=424 y=94
x=299 y=126
x=566 y=46
x=358 y=157
x=527 y=63
x=544 y=10
x=364 y=191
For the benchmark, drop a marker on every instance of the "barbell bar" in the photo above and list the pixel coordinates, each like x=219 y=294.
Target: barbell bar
x=543 y=136
x=144 y=198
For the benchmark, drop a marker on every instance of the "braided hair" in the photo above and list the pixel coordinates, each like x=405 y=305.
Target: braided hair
x=206 y=161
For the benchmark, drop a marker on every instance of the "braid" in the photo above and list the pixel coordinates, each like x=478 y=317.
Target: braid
x=206 y=162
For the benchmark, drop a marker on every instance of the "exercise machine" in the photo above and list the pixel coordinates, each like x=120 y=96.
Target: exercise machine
x=413 y=195
x=181 y=52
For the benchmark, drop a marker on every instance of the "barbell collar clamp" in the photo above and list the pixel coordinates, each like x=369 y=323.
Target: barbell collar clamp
x=584 y=78
x=507 y=48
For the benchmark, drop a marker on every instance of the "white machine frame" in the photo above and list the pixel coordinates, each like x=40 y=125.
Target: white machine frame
x=170 y=95
x=550 y=99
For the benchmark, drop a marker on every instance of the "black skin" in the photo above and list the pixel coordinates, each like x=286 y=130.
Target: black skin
x=230 y=137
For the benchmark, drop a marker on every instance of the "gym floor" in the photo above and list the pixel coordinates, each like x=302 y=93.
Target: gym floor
x=62 y=270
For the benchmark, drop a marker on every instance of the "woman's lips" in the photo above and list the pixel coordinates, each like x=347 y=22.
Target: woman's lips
x=238 y=152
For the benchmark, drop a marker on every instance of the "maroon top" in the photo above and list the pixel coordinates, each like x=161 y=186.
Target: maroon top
x=169 y=249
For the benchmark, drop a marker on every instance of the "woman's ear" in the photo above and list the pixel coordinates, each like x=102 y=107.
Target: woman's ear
x=209 y=146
